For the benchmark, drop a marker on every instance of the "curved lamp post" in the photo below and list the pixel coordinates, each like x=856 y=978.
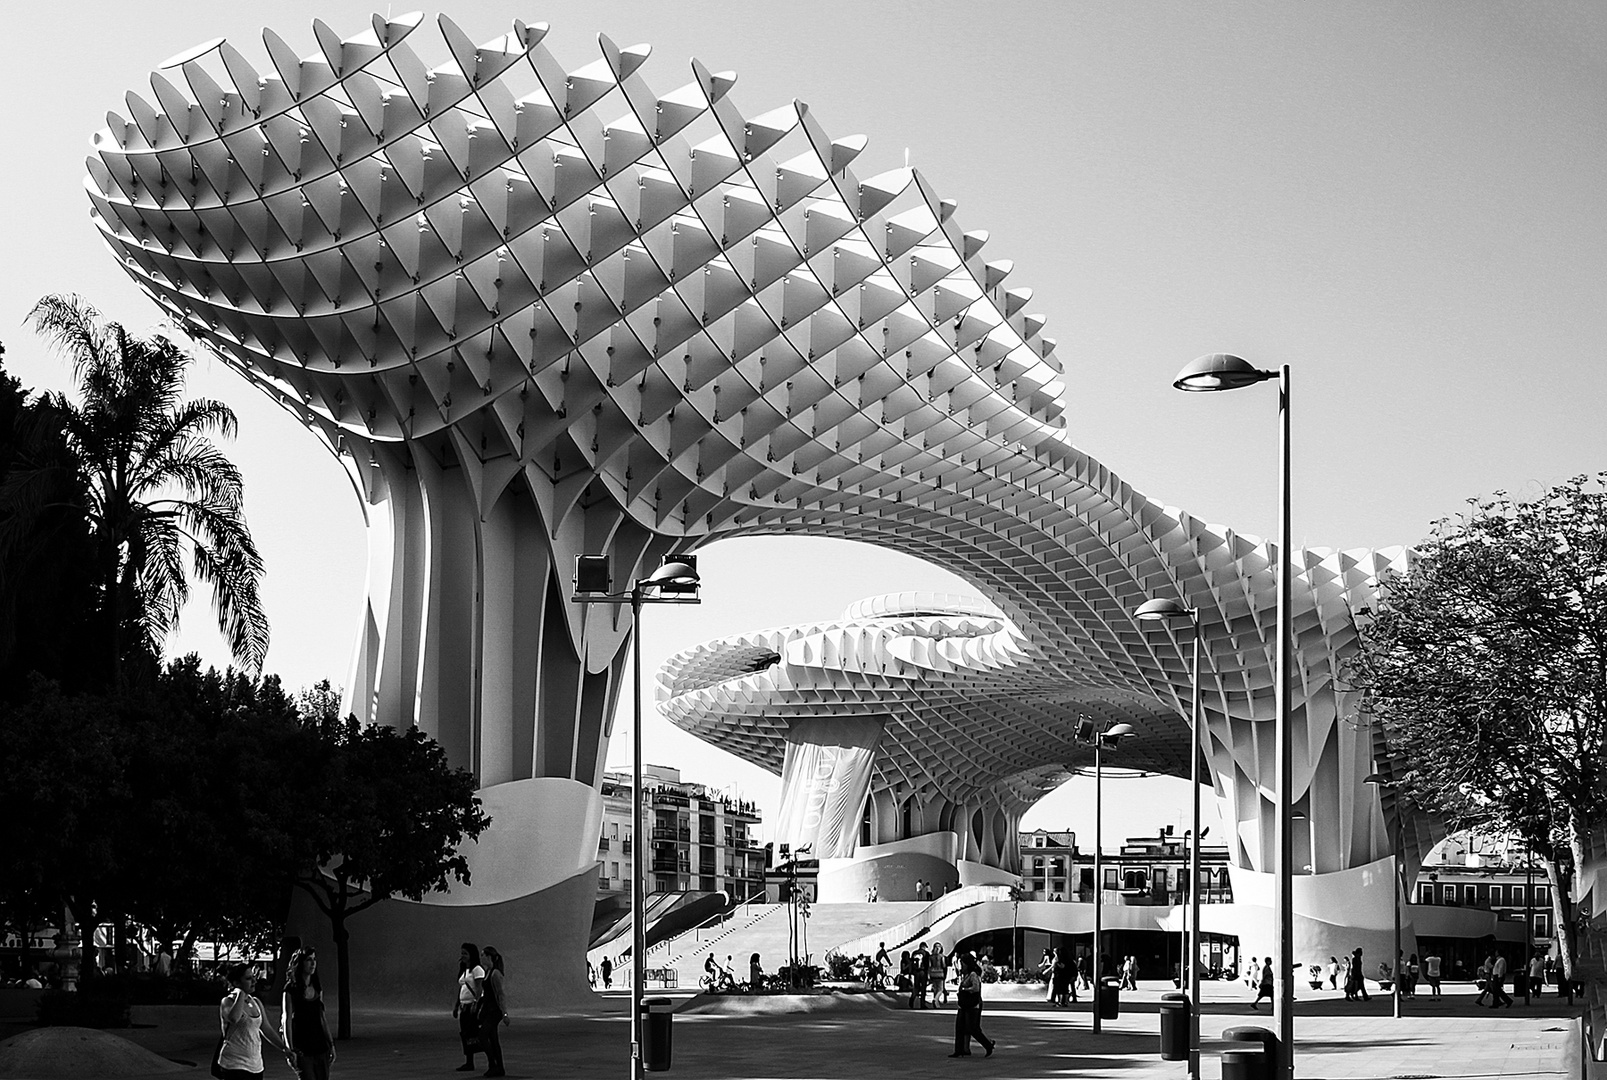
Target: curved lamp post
x=1224 y=371
x=675 y=582
x=1166 y=610
x=1108 y=739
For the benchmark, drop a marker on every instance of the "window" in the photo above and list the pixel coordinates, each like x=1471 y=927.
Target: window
x=615 y=827
x=1542 y=895
x=1495 y=896
x=1542 y=925
x=1110 y=878
x=1515 y=895
x=1428 y=894
x=613 y=870
x=1449 y=893
x=1470 y=896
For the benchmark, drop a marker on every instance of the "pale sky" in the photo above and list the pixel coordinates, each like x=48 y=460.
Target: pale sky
x=1406 y=202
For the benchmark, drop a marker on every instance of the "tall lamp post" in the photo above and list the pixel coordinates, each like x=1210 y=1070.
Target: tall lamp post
x=1101 y=740
x=1164 y=610
x=675 y=582
x=1223 y=371
x=1378 y=780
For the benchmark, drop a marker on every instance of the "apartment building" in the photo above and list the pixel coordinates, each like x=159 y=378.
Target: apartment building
x=699 y=840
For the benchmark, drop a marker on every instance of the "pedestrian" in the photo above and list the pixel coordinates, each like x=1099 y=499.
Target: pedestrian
x=874 y=894
x=1537 y=974
x=1356 y=984
x=1498 y=978
x=920 y=970
x=1252 y=977
x=303 y=1022
x=493 y=1012
x=164 y=961
x=929 y=891
x=243 y=1022
x=1413 y=969
x=1060 y=991
x=1333 y=973
x=1046 y=968
x=607 y=969
x=1129 y=974
x=1431 y=971
x=918 y=888
x=755 y=974
x=1486 y=968
x=968 y=1017
x=1264 y=990
x=937 y=974
x=466 y=1009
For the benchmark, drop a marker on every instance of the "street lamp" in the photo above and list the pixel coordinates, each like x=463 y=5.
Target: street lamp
x=675 y=582
x=1165 y=610
x=1101 y=740
x=1222 y=371
x=1399 y=854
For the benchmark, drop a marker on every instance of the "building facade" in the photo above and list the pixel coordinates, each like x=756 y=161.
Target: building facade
x=1143 y=870
x=701 y=840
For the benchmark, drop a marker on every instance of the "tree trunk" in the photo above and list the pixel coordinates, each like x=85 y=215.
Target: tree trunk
x=343 y=977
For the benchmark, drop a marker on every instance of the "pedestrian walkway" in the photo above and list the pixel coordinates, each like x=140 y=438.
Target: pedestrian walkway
x=874 y=1036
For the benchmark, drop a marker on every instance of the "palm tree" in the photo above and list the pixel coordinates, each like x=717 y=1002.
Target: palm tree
x=157 y=489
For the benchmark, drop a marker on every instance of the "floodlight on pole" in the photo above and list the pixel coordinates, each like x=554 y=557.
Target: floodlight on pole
x=674 y=582
x=1108 y=739
x=1399 y=854
x=1224 y=371
x=1165 y=609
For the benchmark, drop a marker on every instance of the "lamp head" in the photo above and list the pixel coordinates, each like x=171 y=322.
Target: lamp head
x=1378 y=779
x=1220 y=371
x=1162 y=610
x=1117 y=731
x=677 y=575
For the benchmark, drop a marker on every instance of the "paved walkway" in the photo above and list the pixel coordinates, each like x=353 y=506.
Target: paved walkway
x=874 y=1036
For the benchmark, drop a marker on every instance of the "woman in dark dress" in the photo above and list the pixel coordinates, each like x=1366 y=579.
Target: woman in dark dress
x=306 y=1028
x=968 y=1017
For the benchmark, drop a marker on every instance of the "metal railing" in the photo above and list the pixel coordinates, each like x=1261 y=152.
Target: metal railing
x=903 y=933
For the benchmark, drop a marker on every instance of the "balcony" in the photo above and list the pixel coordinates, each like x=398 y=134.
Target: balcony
x=602 y=844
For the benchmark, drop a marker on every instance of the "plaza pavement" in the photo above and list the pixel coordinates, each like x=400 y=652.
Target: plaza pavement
x=869 y=1036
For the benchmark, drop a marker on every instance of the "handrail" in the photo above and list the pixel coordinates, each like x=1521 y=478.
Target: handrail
x=903 y=933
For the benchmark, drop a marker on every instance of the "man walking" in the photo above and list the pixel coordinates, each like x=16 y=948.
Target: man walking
x=920 y=971
x=1498 y=978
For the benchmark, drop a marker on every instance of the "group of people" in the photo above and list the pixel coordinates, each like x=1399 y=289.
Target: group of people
x=1062 y=975
x=303 y=1031
x=721 y=979
x=481 y=1007
x=926 y=970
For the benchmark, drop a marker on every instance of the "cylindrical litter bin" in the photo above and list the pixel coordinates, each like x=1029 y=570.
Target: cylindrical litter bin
x=1247 y=1062
x=1174 y=1027
x=657 y=1012
x=1109 y=998
x=1264 y=1047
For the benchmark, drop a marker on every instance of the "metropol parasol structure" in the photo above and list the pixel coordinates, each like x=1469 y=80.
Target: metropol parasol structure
x=538 y=313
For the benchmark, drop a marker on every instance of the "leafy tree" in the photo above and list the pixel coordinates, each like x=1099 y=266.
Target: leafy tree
x=47 y=598
x=379 y=813
x=156 y=487
x=1487 y=665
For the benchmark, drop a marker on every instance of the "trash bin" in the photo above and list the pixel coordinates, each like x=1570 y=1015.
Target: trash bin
x=1246 y=1062
x=1174 y=1027
x=1109 y=998
x=1261 y=1047
x=657 y=1012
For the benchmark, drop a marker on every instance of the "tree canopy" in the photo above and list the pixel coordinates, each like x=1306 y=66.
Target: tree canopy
x=1486 y=663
